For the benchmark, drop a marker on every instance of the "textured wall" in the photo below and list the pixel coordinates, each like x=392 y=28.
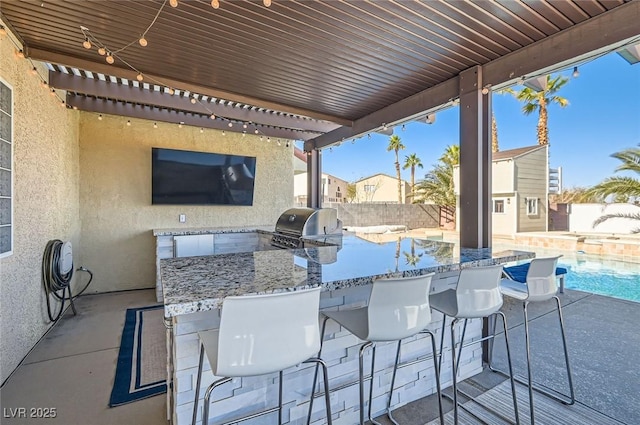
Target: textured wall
x=115 y=193
x=413 y=216
x=45 y=203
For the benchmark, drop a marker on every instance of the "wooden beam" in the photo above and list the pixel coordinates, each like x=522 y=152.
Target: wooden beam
x=105 y=89
x=602 y=31
x=104 y=68
x=113 y=107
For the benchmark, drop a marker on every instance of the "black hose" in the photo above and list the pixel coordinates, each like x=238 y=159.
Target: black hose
x=57 y=283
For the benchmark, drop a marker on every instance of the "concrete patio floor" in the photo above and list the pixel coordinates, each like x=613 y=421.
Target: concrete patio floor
x=72 y=368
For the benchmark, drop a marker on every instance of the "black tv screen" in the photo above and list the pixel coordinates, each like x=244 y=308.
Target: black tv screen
x=201 y=178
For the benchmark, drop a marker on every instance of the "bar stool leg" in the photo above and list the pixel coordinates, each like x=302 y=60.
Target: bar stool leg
x=361 y=378
x=441 y=355
x=529 y=371
x=195 y=404
x=454 y=370
x=207 y=398
x=436 y=364
x=572 y=397
x=393 y=380
x=373 y=362
x=315 y=374
x=511 y=375
x=280 y=374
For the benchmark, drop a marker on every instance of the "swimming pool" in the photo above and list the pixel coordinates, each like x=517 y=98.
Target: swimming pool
x=586 y=272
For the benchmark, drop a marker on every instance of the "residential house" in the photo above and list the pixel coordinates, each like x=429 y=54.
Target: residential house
x=520 y=188
x=334 y=189
x=380 y=188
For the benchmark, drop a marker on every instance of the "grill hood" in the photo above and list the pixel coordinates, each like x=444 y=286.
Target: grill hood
x=298 y=222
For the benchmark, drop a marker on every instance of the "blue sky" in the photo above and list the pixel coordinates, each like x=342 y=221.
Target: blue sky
x=603 y=117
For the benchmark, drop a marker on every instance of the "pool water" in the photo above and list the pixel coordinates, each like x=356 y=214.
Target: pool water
x=619 y=281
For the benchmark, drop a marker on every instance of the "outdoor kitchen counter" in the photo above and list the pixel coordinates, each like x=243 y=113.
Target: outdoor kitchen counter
x=196 y=284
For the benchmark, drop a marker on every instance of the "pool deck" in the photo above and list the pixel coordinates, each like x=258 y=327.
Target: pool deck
x=77 y=359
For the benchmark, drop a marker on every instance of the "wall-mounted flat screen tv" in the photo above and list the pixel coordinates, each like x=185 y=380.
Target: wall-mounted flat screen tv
x=201 y=178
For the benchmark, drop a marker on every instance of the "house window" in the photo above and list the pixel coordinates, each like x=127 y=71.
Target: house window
x=6 y=169
x=498 y=206
x=532 y=206
x=369 y=188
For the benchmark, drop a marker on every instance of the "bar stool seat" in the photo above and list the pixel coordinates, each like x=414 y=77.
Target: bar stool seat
x=477 y=295
x=539 y=285
x=259 y=335
x=398 y=308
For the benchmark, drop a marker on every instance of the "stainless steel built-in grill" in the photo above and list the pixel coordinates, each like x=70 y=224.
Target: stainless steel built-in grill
x=295 y=223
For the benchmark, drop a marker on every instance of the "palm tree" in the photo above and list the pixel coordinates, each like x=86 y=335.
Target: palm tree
x=621 y=187
x=412 y=161
x=437 y=185
x=395 y=144
x=494 y=134
x=539 y=101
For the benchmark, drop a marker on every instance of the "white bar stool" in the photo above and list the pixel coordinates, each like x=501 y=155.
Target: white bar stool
x=477 y=295
x=398 y=308
x=540 y=286
x=258 y=335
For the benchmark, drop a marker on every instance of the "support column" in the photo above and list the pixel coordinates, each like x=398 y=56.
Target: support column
x=314 y=178
x=475 y=161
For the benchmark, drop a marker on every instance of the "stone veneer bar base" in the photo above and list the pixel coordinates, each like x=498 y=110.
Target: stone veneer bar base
x=340 y=351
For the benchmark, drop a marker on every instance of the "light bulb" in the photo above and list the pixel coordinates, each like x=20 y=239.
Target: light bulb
x=230 y=124
x=52 y=92
x=201 y=130
x=215 y=4
x=256 y=131
x=223 y=133
x=269 y=139
x=139 y=77
x=75 y=108
x=485 y=90
x=143 y=41
x=109 y=59
x=212 y=116
x=576 y=73
x=86 y=43
x=244 y=125
x=403 y=127
x=170 y=90
x=173 y=3
x=193 y=100
x=261 y=138
x=128 y=123
x=3 y=31
x=102 y=51
x=279 y=143
x=62 y=105
x=34 y=71
x=287 y=144
x=20 y=54
x=44 y=84
x=267 y=3
x=179 y=125
x=155 y=125
x=100 y=117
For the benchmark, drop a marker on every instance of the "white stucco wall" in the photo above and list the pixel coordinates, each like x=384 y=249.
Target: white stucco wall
x=582 y=216
x=115 y=193
x=45 y=192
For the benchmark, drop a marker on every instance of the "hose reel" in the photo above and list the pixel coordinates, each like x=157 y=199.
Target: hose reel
x=57 y=272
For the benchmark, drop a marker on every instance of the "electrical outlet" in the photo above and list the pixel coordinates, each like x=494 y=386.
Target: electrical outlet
x=183 y=218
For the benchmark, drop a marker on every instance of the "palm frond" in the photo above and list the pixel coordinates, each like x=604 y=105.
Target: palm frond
x=630 y=216
x=624 y=186
x=630 y=159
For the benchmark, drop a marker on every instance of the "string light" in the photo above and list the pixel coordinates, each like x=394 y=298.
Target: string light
x=20 y=54
x=269 y=139
x=75 y=108
x=576 y=73
x=201 y=130
x=170 y=90
x=34 y=71
x=244 y=126
x=256 y=131
x=44 y=84
x=244 y=133
x=403 y=127
x=109 y=58
x=86 y=43
x=155 y=125
x=143 y=41
x=139 y=77
x=3 y=31
x=215 y=4
x=62 y=104
x=102 y=51
x=279 y=142
x=267 y=3
x=230 y=124
x=193 y=100
x=128 y=123
x=180 y=124
x=173 y=3
x=100 y=117
x=261 y=138
x=223 y=133
x=212 y=116
x=52 y=92
x=287 y=143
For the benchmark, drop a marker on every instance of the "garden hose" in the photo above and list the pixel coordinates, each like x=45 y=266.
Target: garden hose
x=56 y=281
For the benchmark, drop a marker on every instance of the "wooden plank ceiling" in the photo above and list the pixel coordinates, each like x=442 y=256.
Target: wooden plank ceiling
x=334 y=61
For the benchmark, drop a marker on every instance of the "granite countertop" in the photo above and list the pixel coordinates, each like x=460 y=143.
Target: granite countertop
x=192 y=284
x=212 y=230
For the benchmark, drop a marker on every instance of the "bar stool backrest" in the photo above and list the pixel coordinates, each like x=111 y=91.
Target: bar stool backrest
x=399 y=307
x=541 y=278
x=262 y=334
x=478 y=291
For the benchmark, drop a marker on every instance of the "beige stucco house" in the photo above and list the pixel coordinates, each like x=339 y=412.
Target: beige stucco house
x=334 y=189
x=381 y=188
x=519 y=183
